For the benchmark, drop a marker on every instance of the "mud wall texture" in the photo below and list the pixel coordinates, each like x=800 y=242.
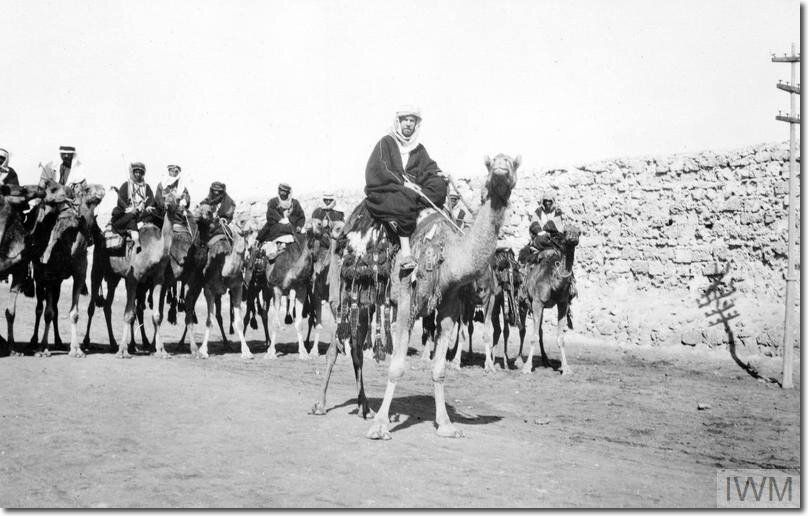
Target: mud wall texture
x=656 y=230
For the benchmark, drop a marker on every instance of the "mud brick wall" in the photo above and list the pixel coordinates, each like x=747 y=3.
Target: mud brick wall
x=654 y=228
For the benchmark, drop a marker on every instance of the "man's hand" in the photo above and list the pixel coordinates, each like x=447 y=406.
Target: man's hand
x=130 y=209
x=183 y=203
x=150 y=210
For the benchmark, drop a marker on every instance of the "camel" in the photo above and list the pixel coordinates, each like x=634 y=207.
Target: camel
x=141 y=271
x=446 y=262
x=17 y=249
x=506 y=283
x=65 y=257
x=223 y=273
x=276 y=294
x=358 y=285
x=547 y=283
x=311 y=268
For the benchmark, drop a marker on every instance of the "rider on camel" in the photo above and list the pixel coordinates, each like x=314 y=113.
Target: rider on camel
x=285 y=218
x=398 y=165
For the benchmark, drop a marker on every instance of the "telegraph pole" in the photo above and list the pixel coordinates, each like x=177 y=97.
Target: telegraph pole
x=793 y=119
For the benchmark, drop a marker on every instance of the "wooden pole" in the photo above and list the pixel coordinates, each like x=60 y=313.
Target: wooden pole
x=791 y=273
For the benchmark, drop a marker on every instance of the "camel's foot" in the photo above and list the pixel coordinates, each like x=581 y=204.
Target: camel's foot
x=123 y=353
x=76 y=353
x=246 y=354
x=378 y=432
x=565 y=370
x=545 y=362
x=365 y=412
x=449 y=430
x=16 y=353
x=318 y=409
x=45 y=353
x=505 y=365
x=489 y=367
x=162 y=354
x=518 y=361
x=303 y=355
x=454 y=365
x=271 y=355
x=203 y=355
x=527 y=369
x=425 y=355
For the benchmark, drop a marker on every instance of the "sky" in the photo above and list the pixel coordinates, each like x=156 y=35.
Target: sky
x=255 y=92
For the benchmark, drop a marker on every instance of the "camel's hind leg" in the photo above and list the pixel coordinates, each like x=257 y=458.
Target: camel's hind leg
x=538 y=316
x=562 y=329
x=157 y=321
x=190 y=302
x=448 y=316
x=209 y=302
x=128 y=320
x=112 y=285
x=427 y=335
x=78 y=283
x=274 y=307
x=358 y=358
x=40 y=307
x=331 y=359
x=11 y=313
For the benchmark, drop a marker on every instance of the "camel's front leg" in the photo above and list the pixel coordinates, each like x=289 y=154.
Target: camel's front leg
x=128 y=320
x=49 y=314
x=112 y=285
x=190 y=302
x=274 y=313
x=302 y=354
x=157 y=320
x=209 y=301
x=235 y=305
x=331 y=359
x=538 y=315
x=217 y=302
x=562 y=329
x=40 y=304
x=11 y=313
x=75 y=349
x=398 y=362
x=447 y=316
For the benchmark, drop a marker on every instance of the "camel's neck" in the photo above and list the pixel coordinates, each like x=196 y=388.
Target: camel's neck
x=475 y=248
x=569 y=254
x=167 y=234
x=235 y=260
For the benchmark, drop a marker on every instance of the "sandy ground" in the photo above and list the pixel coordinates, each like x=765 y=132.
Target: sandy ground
x=623 y=430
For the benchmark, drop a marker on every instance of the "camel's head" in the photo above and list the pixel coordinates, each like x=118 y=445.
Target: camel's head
x=89 y=197
x=501 y=179
x=247 y=229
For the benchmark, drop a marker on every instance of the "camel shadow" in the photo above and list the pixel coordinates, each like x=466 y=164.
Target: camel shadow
x=419 y=408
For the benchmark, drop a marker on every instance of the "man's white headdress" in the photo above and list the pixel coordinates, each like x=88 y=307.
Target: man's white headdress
x=407 y=144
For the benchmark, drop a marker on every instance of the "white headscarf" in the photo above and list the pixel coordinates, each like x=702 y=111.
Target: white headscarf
x=4 y=166
x=404 y=143
x=175 y=184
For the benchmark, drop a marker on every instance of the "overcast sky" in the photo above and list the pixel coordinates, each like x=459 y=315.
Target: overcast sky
x=256 y=92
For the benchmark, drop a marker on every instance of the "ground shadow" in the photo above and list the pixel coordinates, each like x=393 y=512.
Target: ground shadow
x=418 y=408
x=718 y=295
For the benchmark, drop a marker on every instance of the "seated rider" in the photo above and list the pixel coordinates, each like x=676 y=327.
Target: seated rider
x=7 y=174
x=327 y=218
x=135 y=200
x=397 y=162
x=459 y=212
x=285 y=218
x=173 y=183
x=222 y=208
x=548 y=212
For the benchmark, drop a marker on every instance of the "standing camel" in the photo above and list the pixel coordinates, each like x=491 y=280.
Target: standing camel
x=141 y=271
x=446 y=262
x=506 y=284
x=311 y=269
x=548 y=282
x=223 y=273
x=66 y=257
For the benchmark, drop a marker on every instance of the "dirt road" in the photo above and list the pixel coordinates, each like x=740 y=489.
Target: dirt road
x=622 y=431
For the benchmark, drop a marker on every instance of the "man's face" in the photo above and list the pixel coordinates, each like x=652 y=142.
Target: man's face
x=408 y=125
x=326 y=200
x=138 y=174
x=173 y=171
x=547 y=204
x=2 y=160
x=67 y=158
x=283 y=194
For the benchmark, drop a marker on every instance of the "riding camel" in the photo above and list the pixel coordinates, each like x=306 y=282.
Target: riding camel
x=223 y=272
x=507 y=280
x=547 y=283
x=142 y=270
x=17 y=249
x=311 y=269
x=65 y=257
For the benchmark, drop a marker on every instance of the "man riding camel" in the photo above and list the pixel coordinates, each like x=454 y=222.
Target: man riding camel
x=7 y=174
x=327 y=218
x=135 y=198
x=398 y=166
x=285 y=218
x=173 y=183
x=222 y=206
